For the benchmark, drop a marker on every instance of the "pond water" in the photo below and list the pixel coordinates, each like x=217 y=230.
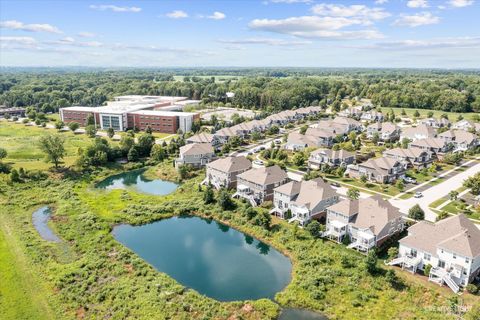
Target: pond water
x=209 y=257
x=40 y=221
x=300 y=314
x=134 y=180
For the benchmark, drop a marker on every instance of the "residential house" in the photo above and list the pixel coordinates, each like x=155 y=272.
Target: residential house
x=467 y=125
x=386 y=131
x=297 y=141
x=461 y=139
x=304 y=200
x=352 y=112
x=348 y=125
x=372 y=116
x=434 y=145
x=205 y=137
x=223 y=172
x=323 y=137
x=330 y=157
x=421 y=131
x=257 y=184
x=308 y=111
x=436 y=123
x=223 y=135
x=450 y=246
x=195 y=154
x=366 y=222
x=412 y=157
x=381 y=170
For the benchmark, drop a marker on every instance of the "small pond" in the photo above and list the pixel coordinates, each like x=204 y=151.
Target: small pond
x=134 y=180
x=40 y=220
x=209 y=257
x=300 y=314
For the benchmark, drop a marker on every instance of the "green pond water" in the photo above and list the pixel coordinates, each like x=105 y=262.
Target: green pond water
x=209 y=257
x=134 y=180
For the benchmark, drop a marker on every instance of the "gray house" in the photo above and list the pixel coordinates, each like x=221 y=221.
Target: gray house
x=195 y=154
x=330 y=157
x=223 y=172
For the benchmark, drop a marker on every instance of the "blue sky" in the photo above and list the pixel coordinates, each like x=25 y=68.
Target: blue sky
x=197 y=33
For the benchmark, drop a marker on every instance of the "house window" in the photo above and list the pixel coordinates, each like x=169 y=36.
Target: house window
x=467 y=260
x=441 y=263
x=454 y=256
x=413 y=253
x=427 y=256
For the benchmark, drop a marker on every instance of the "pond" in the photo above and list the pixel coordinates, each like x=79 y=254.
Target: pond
x=40 y=220
x=134 y=180
x=209 y=257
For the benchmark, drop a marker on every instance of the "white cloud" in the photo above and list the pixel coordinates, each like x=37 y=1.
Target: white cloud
x=177 y=14
x=462 y=42
x=265 y=41
x=417 y=4
x=316 y=27
x=291 y=1
x=25 y=41
x=34 y=27
x=85 y=34
x=353 y=11
x=461 y=3
x=69 y=41
x=217 y=15
x=416 y=20
x=381 y=1
x=111 y=7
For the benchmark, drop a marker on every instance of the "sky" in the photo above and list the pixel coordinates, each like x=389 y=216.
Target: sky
x=241 y=33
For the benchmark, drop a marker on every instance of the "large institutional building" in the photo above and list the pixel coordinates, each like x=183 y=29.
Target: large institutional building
x=162 y=114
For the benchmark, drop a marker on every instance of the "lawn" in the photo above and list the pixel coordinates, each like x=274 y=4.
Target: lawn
x=452 y=116
x=388 y=190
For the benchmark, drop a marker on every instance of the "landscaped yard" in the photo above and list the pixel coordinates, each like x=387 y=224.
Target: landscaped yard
x=452 y=116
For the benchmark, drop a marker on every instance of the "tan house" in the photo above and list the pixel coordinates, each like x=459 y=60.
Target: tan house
x=411 y=157
x=257 y=184
x=380 y=170
x=434 y=145
x=386 y=131
x=205 y=137
x=421 y=131
x=461 y=139
x=304 y=200
x=195 y=154
x=366 y=222
x=223 y=172
x=297 y=141
x=330 y=157
x=323 y=137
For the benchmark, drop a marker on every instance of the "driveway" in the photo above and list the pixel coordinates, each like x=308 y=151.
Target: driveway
x=435 y=192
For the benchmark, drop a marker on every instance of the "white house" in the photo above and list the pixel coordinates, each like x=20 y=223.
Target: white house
x=223 y=172
x=450 y=246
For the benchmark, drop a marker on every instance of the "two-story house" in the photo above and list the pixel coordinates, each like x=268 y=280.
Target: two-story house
x=386 y=131
x=461 y=139
x=436 y=146
x=195 y=154
x=205 y=137
x=366 y=222
x=333 y=158
x=257 y=184
x=372 y=116
x=421 y=131
x=411 y=157
x=323 y=137
x=303 y=200
x=297 y=141
x=466 y=125
x=450 y=246
x=223 y=172
x=380 y=170
x=432 y=122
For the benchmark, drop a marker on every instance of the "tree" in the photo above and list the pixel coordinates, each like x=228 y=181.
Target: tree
x=158 y=153
x=392 y=253
x=90 y=120
x=299 y=159
x=453 y=195
x=363 y=178
x=405 y=143
x=73 y=126
x=126 y=143
x=133 y=154
x=371 y=262
x=149 y=130
x=416 y=213
x=14 y=176
x=224 y=200
x=183 y=171
x=400 y=185
x=145 y=144
x=314 y=228
x=53 y=147
x=91 y=131
x=416 y=114
x=303 y=129
x=473 y=183
x=3 y=153
x=263 y=219
x=353 y=193
x=209 y=196
x=59 y=125
x=375 y=137
x=110 y=132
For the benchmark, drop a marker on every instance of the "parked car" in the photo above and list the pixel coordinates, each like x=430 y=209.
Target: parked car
x=258 y=162
x=335 y=184
x=278 y=141
x=409 y=180
x=418 y=195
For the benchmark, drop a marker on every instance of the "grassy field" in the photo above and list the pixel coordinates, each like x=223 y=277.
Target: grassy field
x=452 y=116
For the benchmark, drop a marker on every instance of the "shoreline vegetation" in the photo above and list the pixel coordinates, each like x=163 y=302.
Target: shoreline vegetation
x=94 y=274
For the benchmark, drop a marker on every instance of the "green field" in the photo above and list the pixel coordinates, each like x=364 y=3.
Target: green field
x=452 y=116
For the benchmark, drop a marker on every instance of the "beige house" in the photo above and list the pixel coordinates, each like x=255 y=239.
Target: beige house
x=386 y=131
x=367 y=222
x=303 y=199
x=381 y=170
x=323 y=137
x=411 y=157
x=434 y=145
x=461 y=139
x=330 y=157
x=223 y=172
x=450 y=246
x=297 y=141
x=205 y=137
x=257 y=184
x=195 y=154
x=421 y=131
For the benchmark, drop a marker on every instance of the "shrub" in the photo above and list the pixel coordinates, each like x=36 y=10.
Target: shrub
x=473 y=289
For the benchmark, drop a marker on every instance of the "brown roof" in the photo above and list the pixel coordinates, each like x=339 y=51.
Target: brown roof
x=380 y=163
x=320 y=133
x=345 y=207
x=203 y=137
x=333 y=154
x=409 y=153
x=291 y=188
x=298 y=138
x=264 y=175
x=429 y=143
x=230 y=164
x=375 y=213
x=422 y=129
x=196 y=148
x=384 y=126
x=460 y=136
x=314 y=191
x=455 y=234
